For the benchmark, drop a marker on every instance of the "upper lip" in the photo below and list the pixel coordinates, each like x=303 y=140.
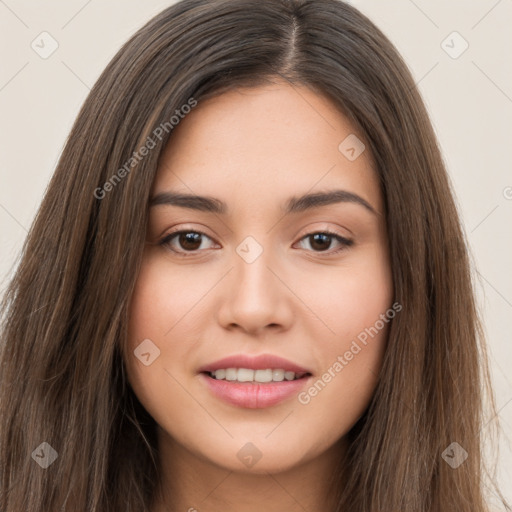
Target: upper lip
x=260 y=362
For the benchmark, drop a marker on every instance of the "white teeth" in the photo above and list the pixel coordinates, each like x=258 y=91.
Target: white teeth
x=245 y=375
x=248 y=375
x=220 y=374
x=263 y=375
x=277 y=375
x=230 y=373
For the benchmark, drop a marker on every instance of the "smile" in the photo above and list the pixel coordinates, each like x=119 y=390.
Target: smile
x=254 y=381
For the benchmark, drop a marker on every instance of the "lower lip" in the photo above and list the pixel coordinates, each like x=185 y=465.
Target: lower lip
x=254 y=395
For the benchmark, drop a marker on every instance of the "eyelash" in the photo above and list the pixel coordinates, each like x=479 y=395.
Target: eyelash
x=345 y=242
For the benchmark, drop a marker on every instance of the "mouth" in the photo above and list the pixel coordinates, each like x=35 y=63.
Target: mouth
x=254 y=382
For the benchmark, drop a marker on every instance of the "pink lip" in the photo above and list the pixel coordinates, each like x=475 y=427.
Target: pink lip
x=252 y=395
x=260 y=362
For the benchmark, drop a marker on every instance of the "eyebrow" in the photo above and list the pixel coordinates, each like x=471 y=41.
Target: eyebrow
x=293 y=205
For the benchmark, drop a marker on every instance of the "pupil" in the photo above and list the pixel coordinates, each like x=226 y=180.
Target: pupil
x=319 y=237
x=190 y=238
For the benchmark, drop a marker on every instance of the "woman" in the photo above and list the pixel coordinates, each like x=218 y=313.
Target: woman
x=247 y=287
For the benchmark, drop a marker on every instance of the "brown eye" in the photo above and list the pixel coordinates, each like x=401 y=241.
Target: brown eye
x=189 y=241
x=321 y=241
x=184 y=241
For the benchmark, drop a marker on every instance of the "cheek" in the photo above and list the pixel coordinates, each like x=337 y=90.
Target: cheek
x=153 y=314
x=163 y=301
x=358 y=311
x=351 y=363
x=348 y=298
x=157 y=317
x=341 y=394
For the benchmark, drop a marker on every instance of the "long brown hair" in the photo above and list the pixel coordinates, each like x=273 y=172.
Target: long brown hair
x=64 y=314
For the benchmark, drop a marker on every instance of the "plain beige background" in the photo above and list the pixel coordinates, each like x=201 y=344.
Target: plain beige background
x=468 y=92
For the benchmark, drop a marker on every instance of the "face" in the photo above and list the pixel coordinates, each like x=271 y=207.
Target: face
x=286 y=288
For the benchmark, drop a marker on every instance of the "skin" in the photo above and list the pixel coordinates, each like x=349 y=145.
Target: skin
x=254 y=149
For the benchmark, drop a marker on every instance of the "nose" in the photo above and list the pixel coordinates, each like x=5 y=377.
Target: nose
x=256 y=297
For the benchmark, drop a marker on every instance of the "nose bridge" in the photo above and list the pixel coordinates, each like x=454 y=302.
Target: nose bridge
x=253 y=279
x=256 y=298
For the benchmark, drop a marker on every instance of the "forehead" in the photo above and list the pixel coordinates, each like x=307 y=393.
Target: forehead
x=262 y=144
